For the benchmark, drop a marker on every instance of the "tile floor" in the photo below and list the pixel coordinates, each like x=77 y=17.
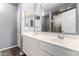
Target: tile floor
x=11 y=52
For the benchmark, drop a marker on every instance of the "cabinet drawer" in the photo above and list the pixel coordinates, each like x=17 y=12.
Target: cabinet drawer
x=43 y=53
x=54 y=50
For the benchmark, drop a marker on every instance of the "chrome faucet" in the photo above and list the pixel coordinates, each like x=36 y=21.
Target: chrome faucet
x=35 y=33
x=60 y=36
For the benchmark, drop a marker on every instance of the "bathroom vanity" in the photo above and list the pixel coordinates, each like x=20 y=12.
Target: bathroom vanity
x=42 y=24
x=44 y=45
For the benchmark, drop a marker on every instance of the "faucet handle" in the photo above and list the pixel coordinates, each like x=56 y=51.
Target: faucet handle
x=60 y=36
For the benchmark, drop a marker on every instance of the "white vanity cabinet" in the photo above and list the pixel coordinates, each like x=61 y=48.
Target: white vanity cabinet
x=30 y=46
x=36 y=47
x=54 y=50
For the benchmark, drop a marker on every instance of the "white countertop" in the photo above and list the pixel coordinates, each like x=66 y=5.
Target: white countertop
x=71 y=43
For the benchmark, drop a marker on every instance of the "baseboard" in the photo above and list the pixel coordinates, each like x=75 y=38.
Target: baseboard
x=8 y=48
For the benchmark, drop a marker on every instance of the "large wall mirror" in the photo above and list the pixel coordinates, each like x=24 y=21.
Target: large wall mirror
x=51 y=17
x=56 y=18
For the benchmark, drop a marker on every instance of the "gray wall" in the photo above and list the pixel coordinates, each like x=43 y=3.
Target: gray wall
x=45 y=24
x=77 y=25
x=8 y=23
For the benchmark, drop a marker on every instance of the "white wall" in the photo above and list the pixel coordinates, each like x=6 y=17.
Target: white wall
x=69 y=21
x=19 y=25
x=8 y=29
x=21 y=9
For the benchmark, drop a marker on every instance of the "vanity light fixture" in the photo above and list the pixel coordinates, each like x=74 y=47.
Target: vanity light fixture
x=28 y=13
x=44 y=4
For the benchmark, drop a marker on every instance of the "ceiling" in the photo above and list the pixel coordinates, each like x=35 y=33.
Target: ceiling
x=54 y=6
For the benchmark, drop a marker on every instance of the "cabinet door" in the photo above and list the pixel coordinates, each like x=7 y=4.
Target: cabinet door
x=30 y=46
x=26 y=45
x=34 y=47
